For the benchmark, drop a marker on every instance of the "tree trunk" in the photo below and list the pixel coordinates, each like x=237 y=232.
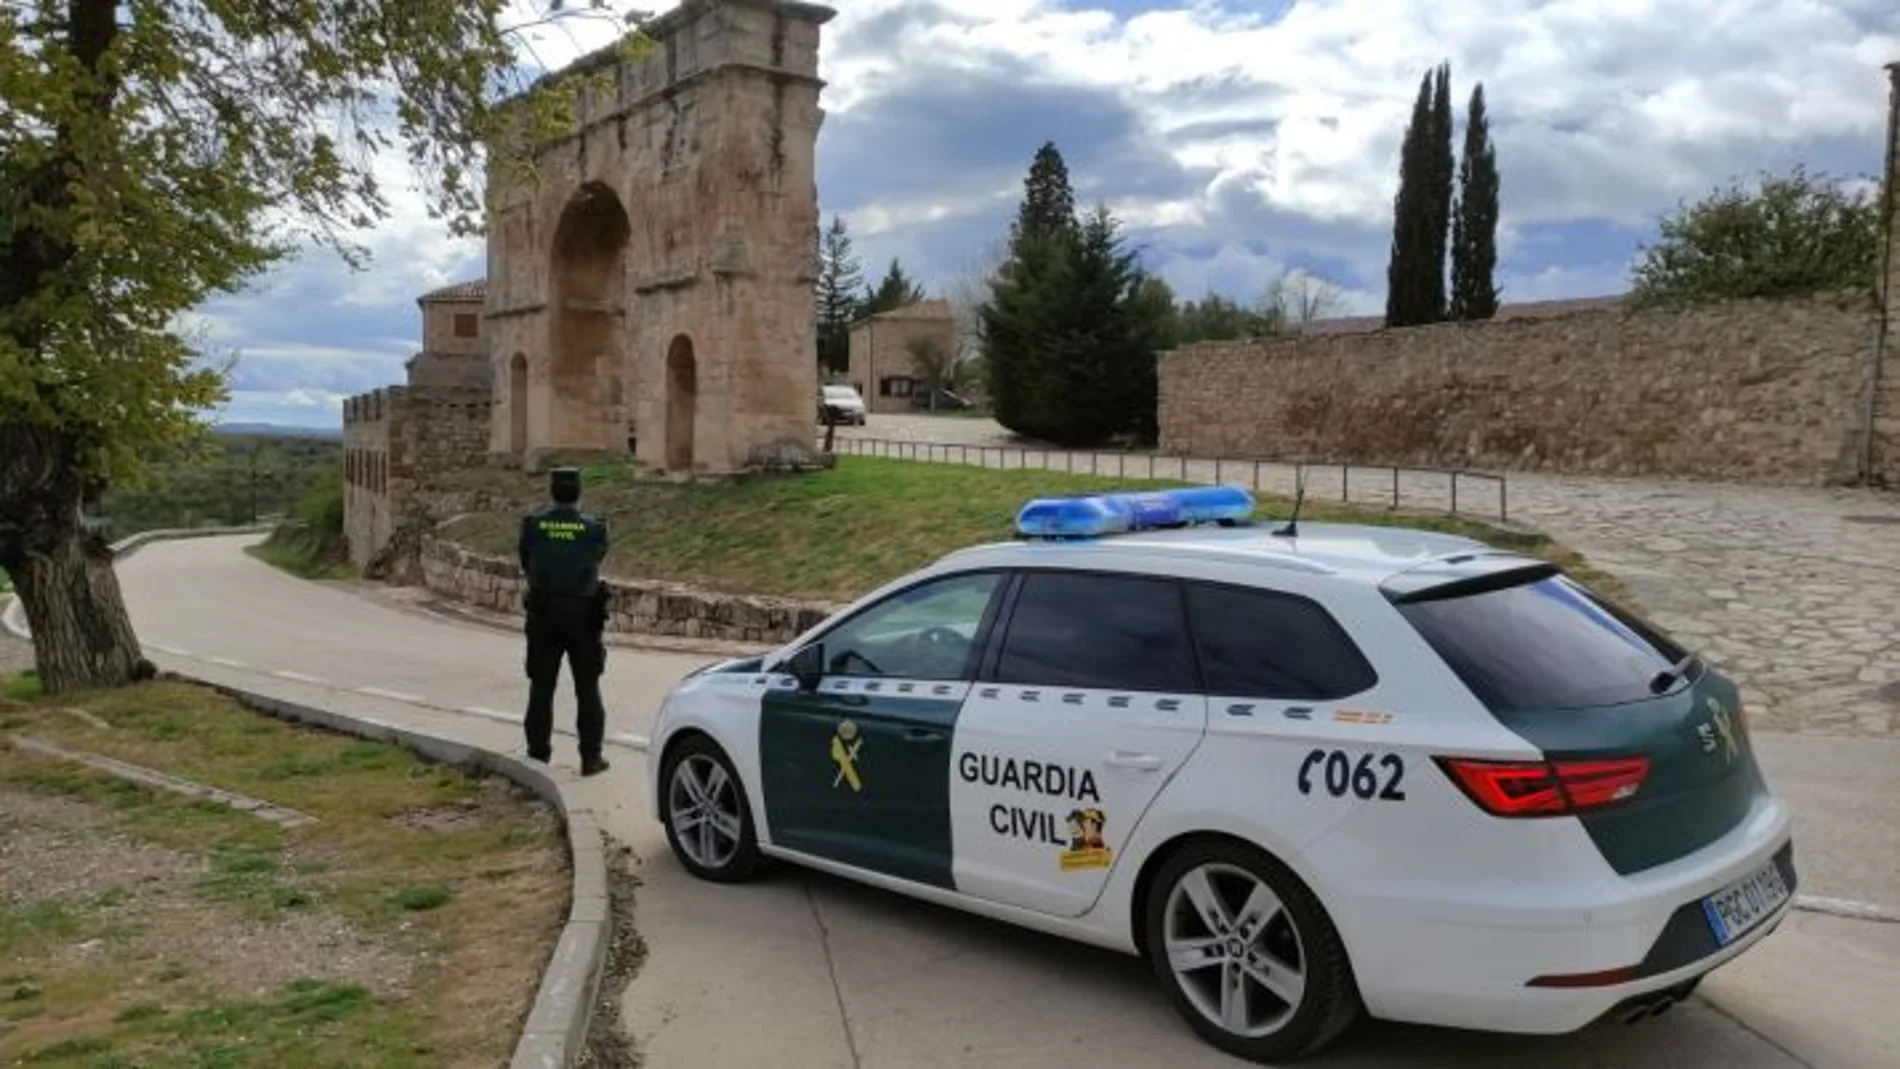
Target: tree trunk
x=82 y=634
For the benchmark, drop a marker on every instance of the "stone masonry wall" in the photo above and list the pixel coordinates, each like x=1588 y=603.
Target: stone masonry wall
x=1769 y=391
x=1885 y=452
x=393 y=439
x=652 y=608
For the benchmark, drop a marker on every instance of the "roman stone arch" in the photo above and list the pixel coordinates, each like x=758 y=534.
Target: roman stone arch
x=518 y=405
x=682 y=404
x=684 y=205
x=585 y=341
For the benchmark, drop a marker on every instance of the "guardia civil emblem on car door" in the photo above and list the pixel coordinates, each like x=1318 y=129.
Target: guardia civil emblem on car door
x=1717 y=733
x=844 y=753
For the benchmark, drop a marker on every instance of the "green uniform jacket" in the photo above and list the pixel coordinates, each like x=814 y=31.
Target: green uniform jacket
x=561 y=549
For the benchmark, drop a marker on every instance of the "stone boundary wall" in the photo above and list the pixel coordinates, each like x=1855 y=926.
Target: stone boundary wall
x=1764 y=391
x=634 y=606
x=393 y=439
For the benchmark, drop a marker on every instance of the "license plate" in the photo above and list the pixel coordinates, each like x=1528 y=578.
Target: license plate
x=1740 y=906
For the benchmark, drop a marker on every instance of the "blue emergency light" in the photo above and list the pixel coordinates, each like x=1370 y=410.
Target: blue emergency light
x=1094 y=515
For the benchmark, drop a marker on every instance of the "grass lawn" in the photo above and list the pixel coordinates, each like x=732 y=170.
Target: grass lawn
x=408 y=926
x=836 y=534
x=302 y=553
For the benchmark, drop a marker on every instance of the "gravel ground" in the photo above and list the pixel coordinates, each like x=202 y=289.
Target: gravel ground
x=59 y=850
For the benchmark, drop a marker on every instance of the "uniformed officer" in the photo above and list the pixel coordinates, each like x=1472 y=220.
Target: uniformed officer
x=561 y=549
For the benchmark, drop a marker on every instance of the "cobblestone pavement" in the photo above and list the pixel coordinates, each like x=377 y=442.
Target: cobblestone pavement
x=1794 y=591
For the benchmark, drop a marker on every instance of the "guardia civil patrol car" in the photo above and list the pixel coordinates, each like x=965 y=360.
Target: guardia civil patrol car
x=1309 y=772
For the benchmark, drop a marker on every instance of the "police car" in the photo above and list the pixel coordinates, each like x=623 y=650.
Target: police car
x=1309 y=772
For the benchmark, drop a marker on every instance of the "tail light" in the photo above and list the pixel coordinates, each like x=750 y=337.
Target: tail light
x=1547 y=788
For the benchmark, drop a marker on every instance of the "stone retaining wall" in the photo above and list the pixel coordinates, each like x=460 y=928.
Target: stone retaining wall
x=1770 y=391
x=634 y=607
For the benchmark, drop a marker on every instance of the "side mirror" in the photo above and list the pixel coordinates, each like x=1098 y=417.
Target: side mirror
x=807 y=666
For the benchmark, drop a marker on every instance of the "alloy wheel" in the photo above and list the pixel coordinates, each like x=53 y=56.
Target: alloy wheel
x=703 y=808
x=1234 y=950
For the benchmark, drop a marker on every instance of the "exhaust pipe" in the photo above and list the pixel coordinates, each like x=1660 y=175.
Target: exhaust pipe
x=1654 y=1007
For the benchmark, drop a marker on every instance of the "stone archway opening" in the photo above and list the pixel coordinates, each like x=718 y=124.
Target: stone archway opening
x=682 y=402
x=518 y=405
x=590 y=245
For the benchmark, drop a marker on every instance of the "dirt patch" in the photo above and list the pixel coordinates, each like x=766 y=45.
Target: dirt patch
x=55 y=848
x=251 y=960
x=461 y=816
x=608 y=1045
x=148 y=903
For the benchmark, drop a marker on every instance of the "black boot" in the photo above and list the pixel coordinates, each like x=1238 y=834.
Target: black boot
x=593 y=766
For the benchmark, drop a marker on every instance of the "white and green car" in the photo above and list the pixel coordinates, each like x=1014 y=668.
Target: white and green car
x=1308 y=773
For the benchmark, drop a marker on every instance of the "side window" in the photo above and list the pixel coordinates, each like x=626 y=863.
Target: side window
x=1092 y=630
x=926 y=632
x=1257 y=644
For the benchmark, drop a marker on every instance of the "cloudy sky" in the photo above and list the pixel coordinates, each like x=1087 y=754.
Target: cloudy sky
x=1237 y=139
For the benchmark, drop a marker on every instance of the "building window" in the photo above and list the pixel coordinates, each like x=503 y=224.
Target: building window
x=467 y=324
x=896 y=386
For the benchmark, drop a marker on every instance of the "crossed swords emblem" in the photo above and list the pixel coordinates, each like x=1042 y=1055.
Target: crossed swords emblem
x=844 y=753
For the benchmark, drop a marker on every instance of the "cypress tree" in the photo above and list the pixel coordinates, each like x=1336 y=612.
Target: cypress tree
x=1409 y=237
x=1474 y=227
x=1438 y=220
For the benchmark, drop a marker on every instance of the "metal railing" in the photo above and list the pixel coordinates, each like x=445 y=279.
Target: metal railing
x=1396 y=486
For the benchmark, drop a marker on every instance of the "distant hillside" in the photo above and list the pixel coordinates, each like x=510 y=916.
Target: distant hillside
x=274 y=430
x=261 y=473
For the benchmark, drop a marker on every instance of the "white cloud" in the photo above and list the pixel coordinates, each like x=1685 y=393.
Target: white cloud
x=1236 y=141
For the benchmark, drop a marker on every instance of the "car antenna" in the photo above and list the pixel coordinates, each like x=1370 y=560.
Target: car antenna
x=1291 y=529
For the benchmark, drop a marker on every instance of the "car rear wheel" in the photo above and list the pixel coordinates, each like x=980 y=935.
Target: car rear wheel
x=1247 y=953
x=708 y=820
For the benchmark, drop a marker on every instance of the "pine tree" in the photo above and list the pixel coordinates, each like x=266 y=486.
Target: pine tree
x=1443 y=168
x=839 y=276
x=895 y=291
x=1475 y=224
x=1048 y=207
x=1410 y=240
x=1071 y=337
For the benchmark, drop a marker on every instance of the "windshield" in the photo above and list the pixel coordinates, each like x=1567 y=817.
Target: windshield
x=841 y=393
x=1550 y=644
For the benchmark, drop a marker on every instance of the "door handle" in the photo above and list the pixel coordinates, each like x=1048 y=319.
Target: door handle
x=1141 y=762
x=922 y=734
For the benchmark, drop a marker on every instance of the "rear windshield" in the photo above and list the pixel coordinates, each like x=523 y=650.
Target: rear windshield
x=1550 y=644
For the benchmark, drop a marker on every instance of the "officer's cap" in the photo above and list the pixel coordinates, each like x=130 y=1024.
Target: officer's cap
x=565 y=479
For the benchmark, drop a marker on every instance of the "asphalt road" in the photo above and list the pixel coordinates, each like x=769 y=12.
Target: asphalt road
x=806 y=971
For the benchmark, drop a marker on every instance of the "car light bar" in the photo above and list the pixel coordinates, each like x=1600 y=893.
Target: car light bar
x=1094 y=515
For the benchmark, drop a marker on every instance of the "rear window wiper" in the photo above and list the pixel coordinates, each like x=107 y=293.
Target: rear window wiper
x=1668 y=676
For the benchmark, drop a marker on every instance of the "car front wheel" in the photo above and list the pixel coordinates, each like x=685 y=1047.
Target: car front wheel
x=708 y=820
x=1247 y=953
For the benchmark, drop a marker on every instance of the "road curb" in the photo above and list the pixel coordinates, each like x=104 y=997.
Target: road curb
x=555 y=1033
